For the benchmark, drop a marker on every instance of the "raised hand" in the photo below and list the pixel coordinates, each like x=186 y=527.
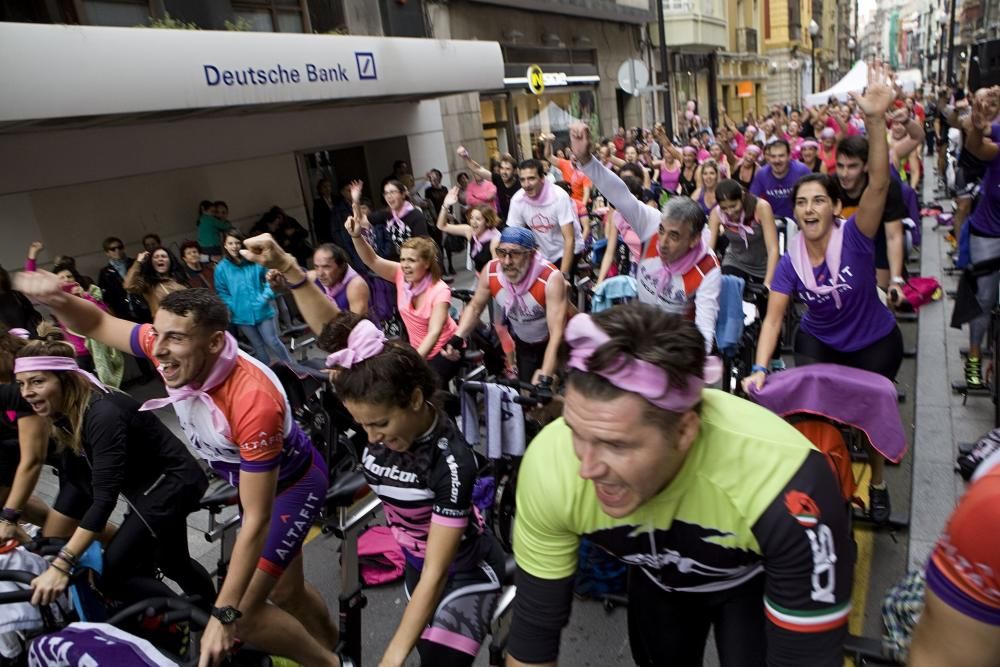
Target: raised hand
x=356 y=188
x=264 y=250
x=142 y=257
x=462 y=152
x=580 y=142
x=451 y=198
x=276 y=279
x=40 y=286
x=879 y=94
x=353 y=227
x=35 y=248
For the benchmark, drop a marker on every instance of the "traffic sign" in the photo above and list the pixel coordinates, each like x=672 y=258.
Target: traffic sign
x=633 y=76
x=536 y=80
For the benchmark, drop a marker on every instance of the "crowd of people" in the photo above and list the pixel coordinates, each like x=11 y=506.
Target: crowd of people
x=729 y=518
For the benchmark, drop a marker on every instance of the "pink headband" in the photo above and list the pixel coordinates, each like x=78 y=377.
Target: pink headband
x=753 y=148
x=27 y=364
x=634 y=375
x=20 y=333
x=752 y=129
x=809 y=144
x=691 y=149
x=366 y=340
x=828 y=132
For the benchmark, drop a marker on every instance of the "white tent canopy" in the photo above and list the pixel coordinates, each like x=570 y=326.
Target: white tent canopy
x=855 y=80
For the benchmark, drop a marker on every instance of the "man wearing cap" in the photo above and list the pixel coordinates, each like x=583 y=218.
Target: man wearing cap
x=530 y=294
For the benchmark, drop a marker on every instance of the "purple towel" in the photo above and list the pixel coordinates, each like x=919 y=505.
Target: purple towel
x=860 y=399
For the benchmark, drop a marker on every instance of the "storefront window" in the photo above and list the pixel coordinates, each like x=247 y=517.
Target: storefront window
x=552 y=113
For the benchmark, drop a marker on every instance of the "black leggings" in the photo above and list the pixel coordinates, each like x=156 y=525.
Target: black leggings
x=884 y=356
x=671 y=628
x=131 y=558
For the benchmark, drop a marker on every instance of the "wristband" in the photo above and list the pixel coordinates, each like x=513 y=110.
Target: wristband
x=67 y=556
x=305 y=279
x=898 y=280
x=64 y=571
x=10 y=514
x=457 y=342
x=757 y=368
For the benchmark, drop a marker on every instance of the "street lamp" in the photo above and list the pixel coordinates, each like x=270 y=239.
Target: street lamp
x=851 y=46
x=813 y=32
x=942 y=18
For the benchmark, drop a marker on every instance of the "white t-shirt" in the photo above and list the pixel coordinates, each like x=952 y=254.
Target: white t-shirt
x=546 y=222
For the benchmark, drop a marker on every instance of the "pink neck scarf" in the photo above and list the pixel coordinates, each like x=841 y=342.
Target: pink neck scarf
x=55 y=363
x=681 y=266
x=334 y=291
x=486 y=236
x=545 y=196
x=366 y=341
x=413 y=291
x=397 y=217
x=804 y=269
x=633 y=375
x=739 y=226
x=520 y=288
x=221 y=370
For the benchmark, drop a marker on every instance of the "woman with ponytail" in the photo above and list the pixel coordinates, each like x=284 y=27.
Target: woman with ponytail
x=107 y=447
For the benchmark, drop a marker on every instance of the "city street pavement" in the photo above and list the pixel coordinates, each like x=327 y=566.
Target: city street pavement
x=924 y=487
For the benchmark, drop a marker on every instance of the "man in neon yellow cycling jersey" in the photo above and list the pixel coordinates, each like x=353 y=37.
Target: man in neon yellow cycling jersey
x=729 y=517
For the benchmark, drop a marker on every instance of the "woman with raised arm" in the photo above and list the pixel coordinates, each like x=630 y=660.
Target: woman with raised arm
x=423 y=299
x=831 y=267
x=154 y=275
x=481 y=231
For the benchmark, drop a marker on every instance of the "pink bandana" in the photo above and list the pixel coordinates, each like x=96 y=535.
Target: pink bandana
x=366 y=341
x=55 y=363
x=803 y=267
x=739 y=227
x=485 y=237
x=20 y=333
x=413 y=291
x=545 y=195
x=651 y=382
x=518 y=290
x=397 y=217
x=221 y=370
x=682 y=265
x=334 y=291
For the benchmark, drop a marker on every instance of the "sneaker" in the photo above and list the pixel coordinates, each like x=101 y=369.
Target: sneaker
x=879 y=509
x=986 y=447
x=973 y=373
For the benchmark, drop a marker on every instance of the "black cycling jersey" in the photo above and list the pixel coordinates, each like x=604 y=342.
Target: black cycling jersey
x=431 y=482
x=128 y=452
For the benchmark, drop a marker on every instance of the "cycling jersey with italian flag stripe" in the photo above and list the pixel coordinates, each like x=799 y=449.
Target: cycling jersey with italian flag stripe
x=752 y=498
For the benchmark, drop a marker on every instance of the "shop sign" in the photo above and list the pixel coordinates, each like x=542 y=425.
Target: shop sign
x=744 y=89
x=536 y=80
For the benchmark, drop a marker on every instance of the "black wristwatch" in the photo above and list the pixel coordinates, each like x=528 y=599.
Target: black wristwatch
x=227 y=615
x=545 y=380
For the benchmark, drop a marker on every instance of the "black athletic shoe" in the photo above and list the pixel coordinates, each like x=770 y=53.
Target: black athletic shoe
x=879 y=509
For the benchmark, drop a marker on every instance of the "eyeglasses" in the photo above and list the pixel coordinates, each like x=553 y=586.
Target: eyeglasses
x=501 y=253
x=116 y=247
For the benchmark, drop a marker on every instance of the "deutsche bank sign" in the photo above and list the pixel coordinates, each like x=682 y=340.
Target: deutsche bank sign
x=278 y=74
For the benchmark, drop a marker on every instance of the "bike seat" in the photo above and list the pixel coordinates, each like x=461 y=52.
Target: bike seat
x=219 y=496
x=509 y=569
x=473 y=356
x=345 y=488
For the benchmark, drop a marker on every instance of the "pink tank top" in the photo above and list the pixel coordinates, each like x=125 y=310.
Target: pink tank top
x=670 y=179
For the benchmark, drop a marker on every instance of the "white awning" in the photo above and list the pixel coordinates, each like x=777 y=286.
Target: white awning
x=855 y=80
x=69 y=72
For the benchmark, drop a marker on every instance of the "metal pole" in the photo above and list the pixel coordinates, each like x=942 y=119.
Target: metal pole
x=814 y=67
x=940 y=57
x=951 y=44
x=668 y=107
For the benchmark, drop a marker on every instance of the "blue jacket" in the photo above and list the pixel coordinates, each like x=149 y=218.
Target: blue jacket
x=243 y=288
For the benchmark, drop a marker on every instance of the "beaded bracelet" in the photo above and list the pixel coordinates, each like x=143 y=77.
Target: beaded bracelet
x=66 y=572
x=68 y=557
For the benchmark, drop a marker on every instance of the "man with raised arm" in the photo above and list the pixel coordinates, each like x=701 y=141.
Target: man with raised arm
x=235 y=415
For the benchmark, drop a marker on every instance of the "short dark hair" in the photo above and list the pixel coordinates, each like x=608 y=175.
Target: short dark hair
x=189 y=244
x=856 y=147
x=532 y=163
x=221 y=203
x=68 y=266
x=508 y=158
x=338 y=254
x=437 y=171
x=829 y=183
x=205 y=203
x=669 y=342
x=779 y=142
x=633 y=169
x=152 y=235
x=389 y=378
x=110 y=241
x=206 y=309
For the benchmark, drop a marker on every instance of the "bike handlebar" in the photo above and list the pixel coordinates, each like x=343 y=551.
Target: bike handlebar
x=537 y=395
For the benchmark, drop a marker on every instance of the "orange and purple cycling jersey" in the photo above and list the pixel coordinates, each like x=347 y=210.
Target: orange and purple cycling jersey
x=260 y=436
x=964 y=569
